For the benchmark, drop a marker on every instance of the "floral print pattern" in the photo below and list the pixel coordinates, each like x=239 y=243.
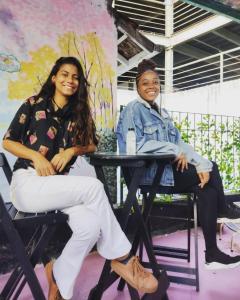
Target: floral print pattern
x=40 y=128
x=40 y=115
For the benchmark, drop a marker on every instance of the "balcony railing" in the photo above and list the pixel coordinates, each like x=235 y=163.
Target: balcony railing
x=216 y=137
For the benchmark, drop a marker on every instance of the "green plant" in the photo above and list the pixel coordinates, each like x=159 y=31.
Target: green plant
x=216 y=138
x=108 y=143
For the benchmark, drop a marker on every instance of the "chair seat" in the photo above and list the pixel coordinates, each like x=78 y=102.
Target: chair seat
x=22 y=219
x=167 y=189
x=27 y=247
x=191 y=216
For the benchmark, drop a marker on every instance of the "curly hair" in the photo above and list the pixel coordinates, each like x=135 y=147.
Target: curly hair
x=143 y=66
x=85 y=129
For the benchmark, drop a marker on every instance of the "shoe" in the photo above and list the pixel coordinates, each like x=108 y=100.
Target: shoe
x=232 y=212
x=53 y=291
x=217 y=260
x=135 y=275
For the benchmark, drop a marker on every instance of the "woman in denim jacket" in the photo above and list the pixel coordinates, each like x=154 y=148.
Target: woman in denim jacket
x=155 y=132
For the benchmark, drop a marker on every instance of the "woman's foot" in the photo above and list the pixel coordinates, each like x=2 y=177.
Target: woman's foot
x=134 y=274
x=53 y=291
x=216 y=260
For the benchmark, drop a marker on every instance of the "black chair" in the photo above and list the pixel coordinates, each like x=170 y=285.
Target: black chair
x=190 y=204
x=174 y=252
x=27 y=252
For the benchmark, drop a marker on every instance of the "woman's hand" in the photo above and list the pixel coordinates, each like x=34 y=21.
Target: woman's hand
x=42 y=166
x=61 y=159
x=204 y=178
x=181 y=162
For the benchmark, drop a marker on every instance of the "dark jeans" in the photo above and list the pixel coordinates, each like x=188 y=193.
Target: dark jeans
x=211 y=199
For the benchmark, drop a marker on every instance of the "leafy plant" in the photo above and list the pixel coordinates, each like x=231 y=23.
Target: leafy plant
x=217 y=138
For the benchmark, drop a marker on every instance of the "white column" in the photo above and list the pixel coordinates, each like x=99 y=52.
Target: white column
x=169 y=15
x=168 y=70
x=221 y=67
x=169 y=18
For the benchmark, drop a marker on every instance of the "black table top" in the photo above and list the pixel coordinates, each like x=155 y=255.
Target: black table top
x=137 y=156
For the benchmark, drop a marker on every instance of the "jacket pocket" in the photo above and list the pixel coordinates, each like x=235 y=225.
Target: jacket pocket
x=172 y=134
x=153 y=132
x=150 y=129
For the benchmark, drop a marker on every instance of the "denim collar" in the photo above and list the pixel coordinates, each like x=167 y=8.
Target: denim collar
x=144 y=102
x=163 y=113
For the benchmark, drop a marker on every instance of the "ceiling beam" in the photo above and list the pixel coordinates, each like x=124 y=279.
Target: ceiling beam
x=189 y=33
x=196 y=53
x=217 y=7
x=198 y=29
x=135 y=60
x=182 y=61
x=130 y=29
x=191 y=51
x=121 y=39
x=157 y=39
x=122 y=59
x=228 y=35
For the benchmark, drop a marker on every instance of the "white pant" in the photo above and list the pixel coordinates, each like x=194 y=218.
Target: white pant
x=90 y=218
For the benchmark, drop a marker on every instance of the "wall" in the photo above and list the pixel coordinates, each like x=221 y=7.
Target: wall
x=35 y=33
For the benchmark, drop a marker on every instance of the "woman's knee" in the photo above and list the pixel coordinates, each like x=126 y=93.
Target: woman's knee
x=89 y=231
x=84 y=223
x=215 y=166
x=95 y=184
x=208 y=196
x=98 y=191
x=98 y=184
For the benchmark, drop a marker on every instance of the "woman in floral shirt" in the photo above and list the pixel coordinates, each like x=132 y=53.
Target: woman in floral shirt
x=47 y=134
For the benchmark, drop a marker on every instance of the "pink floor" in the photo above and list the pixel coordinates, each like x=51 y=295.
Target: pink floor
x=214 y=285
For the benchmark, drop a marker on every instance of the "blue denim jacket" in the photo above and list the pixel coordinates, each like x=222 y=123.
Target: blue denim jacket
x=156 y=133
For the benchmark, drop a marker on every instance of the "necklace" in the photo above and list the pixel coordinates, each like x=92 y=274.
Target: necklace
x=58 y=107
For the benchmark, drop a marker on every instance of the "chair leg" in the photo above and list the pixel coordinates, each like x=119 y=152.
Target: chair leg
x=144 y=199
x=19 y=251
x=140 y=250
x=232 y=244
x=27 y=262
x=221 y=230
x=18 y=274
x=44 y=236
x=133 y=293
x=196 y=241
x=232 y=241
x=189 y=223
x=121 y=285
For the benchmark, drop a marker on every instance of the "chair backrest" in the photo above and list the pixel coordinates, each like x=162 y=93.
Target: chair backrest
x=23 y=218
x=6 y=207
x=28 y=251
x=122 y=107
x=6 y=167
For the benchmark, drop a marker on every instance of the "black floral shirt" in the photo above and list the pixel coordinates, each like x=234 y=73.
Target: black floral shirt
x=37 y=126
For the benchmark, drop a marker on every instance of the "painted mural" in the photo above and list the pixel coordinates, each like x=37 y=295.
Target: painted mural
x=35 y=33
x=232 y=3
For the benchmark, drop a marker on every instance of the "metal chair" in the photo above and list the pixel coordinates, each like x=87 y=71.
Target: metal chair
x=175 y=252
x=28 y=253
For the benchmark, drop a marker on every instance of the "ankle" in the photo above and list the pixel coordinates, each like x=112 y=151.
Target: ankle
x=212 y=249
x=124 y=257
x=53 y=277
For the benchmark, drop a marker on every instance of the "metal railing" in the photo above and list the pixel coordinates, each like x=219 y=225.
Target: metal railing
x=216 y=137
x=216 y=68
